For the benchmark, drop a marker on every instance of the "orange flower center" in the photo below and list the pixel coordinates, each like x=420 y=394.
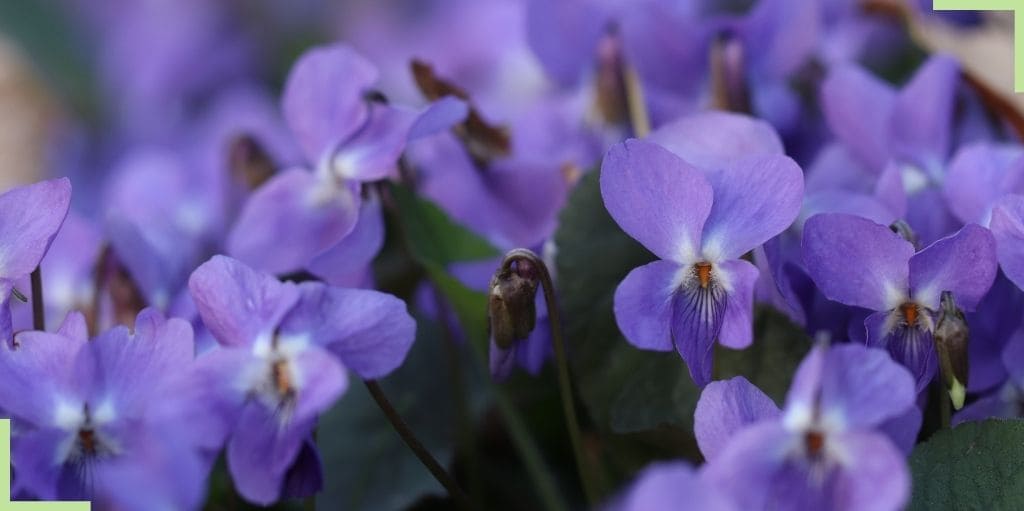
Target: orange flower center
x=282 y=380
x=910 y=313
x=703 y=272
x=814 y=441
x=87 y=439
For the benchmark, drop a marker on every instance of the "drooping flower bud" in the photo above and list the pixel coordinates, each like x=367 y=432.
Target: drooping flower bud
x=511 y=309
x=951 y=338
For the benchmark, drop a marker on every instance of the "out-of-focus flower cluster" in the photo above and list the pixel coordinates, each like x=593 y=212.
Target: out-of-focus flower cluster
x=216 y=280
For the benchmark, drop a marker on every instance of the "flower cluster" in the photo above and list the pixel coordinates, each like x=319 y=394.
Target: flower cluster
x=265 y=214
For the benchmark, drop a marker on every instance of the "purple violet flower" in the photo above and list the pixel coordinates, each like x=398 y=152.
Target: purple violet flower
x=98 y=420
x=284 y=356
x=699 y=214
x=349 y=139
x=860 y=263
x=825 y=449
x=30 y=217
x=895 y=143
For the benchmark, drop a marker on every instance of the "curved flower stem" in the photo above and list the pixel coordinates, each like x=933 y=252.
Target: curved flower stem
x=38 y=309
x=421 y=452
x=564 y=382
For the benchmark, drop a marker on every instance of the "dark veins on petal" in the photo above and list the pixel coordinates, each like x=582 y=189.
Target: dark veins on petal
x=698 y=309
x=910 y=343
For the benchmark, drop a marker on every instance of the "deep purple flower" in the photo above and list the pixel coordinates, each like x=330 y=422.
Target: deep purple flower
x=30 y=217
x=349 y=139
x=860 y=263
x=98 y=420
x=825 y=449
x=995 y=321
x=699 y=214
x=670 y=486
x=284 y=356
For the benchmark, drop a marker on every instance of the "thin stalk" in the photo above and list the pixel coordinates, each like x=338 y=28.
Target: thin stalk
x=421 y=452
x=528 y=451
x=464 y=420
x=38 y=309
x=564 y=382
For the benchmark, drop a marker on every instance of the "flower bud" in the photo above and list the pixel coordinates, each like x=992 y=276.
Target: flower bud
x=951 y=338
x=511 y=309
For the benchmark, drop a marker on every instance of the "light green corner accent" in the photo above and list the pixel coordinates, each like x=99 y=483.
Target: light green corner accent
x=1017 y=6
x=5 y=482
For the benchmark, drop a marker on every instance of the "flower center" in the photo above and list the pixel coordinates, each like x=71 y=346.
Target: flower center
x=814 y=442
x=702 y=271
x=281 y=378
x=87 y=441
x=910 y=313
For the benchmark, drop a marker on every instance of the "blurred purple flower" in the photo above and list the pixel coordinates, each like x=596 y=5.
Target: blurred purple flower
x=825 y=450
x=895 y=143
x=349 y=138
x=670 y=486
x=285 y=349
x=699 y=214
x=30 y=217
x=857 y=262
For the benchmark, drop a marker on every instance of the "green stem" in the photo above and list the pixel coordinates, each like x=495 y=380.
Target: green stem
x=564 y=381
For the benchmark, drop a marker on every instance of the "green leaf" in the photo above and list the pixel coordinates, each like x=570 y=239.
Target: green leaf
x=976 y=465
x=432 y=236
x=627 y=389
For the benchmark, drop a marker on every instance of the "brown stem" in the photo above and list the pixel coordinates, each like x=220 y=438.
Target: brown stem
x=38 y=309
x=421 y=452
